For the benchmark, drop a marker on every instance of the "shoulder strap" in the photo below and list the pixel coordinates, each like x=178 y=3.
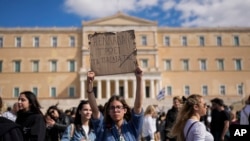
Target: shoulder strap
x=72 y=130
x=189 y=129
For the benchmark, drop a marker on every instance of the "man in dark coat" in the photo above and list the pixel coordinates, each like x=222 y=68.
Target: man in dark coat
x=10 y=131
x=171 y=117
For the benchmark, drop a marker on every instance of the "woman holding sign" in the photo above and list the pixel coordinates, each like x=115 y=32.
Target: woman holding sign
x=119 y=122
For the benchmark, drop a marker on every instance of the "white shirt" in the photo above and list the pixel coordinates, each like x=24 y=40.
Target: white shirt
x=197 y=132
x=9 y=115
x=244 y=113
x=149 y=126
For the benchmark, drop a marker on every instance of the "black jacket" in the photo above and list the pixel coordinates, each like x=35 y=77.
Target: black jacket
x=33 y=125
x=171 y=117
x=55 y=133
x=10 y=131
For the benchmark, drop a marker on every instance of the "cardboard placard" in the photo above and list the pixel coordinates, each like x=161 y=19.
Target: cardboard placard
x=112 y=53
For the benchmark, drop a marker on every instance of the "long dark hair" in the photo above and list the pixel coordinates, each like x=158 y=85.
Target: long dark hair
x=55 y=107
x=34 y=104
x=78 y=121
x=127 y=116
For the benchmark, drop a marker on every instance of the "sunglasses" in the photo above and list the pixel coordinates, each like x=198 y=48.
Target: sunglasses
x=51 y=112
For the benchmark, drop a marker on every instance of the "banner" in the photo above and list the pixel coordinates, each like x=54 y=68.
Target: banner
x=112 y=53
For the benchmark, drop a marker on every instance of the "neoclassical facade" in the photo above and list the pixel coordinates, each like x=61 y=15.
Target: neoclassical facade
x=53 y=62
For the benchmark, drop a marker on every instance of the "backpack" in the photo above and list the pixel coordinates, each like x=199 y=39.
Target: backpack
x=10 y=131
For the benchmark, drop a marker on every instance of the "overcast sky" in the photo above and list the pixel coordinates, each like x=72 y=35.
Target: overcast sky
x=172 y=13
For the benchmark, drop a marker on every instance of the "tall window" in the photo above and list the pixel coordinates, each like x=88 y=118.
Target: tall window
x=147 y=91
x=168 y=65
x=185 y=64
x=1 y=66
x=203 y=64
x=121 y=91
x=167 y=41
x=72 y=41
x=202 y=41
x=205 y=90
x=35 y=66
x=144 y=63
x=54 y=41
x=222 y=89
x=238 y=65
x=16 y=91
x=169 y=90
x=18 y=41
x=236 y=41
x=219 y=41
x=36 y=42
x=17 y=66
x=35 y=90
x=240 y=89
x=53 y=66
x=186 y=90
x=1 y=42
x=220 y=64
x=144 y=40
x=72 y=65
x=72 y=91
x=53 y=91
x=184 y=40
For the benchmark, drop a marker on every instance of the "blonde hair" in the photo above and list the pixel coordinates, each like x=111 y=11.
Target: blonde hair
x=149 y=110
x=177 y=98
x=183 y=115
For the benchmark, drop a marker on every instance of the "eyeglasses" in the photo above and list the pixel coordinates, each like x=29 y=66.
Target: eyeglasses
x=118 y=107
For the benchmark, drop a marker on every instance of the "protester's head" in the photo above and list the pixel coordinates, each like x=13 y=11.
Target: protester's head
x=116 y=109
x=177 y=101
x=54 y=112
x=73 y=112
x=150 y=110
x=217 y=103
x=83 y=112
x=193 y=105
x=27 y=101
x=15 y=107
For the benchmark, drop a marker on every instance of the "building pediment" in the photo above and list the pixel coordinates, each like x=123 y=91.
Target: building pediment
x=120 y=19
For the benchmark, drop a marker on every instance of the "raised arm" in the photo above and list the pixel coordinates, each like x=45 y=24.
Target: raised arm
x=139 y=95
x=91 y=96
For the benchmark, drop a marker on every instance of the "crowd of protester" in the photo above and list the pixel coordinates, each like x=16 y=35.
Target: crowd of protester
x=190 y=118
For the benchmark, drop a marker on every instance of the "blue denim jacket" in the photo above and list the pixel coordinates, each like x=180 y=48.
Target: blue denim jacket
x=78 y=134
x=129 y=129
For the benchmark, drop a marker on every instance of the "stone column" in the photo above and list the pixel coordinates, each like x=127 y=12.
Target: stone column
x=152 y=89
x=125 y=88
x=117 y=87
x=157 y=87
x=99 y=87
x=107 y=89
x=83 y=90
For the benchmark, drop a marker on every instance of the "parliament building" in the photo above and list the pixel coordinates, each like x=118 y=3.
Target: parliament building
x=53 y=62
